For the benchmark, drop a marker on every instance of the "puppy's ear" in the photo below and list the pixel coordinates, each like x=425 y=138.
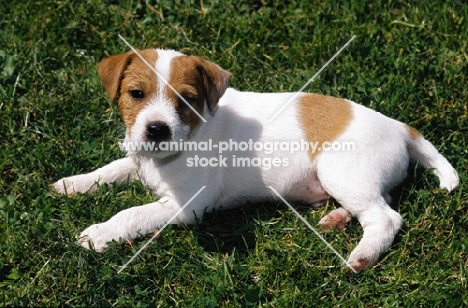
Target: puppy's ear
x=215 y=81
x=111 y=70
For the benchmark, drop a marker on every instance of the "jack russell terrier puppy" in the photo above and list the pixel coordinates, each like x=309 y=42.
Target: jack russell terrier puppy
x=359 y=179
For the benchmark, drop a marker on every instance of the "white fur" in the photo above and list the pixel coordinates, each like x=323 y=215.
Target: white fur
x=163 y=67
x=163 y=111
x=359 y=180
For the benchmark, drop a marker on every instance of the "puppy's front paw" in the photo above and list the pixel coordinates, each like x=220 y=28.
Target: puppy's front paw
x=96 y=237
x=64 y=186
x=74 y=184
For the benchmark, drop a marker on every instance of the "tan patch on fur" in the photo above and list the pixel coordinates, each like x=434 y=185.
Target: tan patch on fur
x=187 y=80
x=125 y=72
x=323 y=118
x=196 y=80
x=413 y=132
x=110 y=71
x=137 y=76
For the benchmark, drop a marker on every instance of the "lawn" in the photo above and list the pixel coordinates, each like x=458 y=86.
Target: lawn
x=409 y=61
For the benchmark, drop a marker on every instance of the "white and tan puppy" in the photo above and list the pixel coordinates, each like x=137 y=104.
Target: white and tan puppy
x=248 y=152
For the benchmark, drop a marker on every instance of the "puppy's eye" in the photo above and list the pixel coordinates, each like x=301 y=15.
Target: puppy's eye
x=189 y=99
x=137 y=94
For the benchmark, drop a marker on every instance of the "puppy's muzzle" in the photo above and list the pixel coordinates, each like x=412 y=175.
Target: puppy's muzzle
x=158 y=131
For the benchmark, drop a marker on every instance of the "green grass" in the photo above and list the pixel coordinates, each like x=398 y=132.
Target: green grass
x=408 y=61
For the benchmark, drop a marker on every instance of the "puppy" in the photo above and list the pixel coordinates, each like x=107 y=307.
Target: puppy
x=186 y=129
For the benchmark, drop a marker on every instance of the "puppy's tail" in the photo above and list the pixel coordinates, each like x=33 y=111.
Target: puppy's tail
x=424 y=153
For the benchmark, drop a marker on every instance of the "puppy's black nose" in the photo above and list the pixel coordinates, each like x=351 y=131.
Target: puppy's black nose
x=157 y=131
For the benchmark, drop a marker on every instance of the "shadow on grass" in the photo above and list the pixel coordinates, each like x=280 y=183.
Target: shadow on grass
x=223 y=231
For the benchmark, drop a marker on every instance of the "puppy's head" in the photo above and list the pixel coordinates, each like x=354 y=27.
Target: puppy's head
x=150 y=108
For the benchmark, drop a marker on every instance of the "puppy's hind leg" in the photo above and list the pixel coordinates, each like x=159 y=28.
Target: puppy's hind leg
x=367 y=203
x=380 y=224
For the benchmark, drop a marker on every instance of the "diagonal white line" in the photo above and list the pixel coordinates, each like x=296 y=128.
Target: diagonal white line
x=159 y=231
x=313 y=77
x=162 y=78
x=313 y=229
